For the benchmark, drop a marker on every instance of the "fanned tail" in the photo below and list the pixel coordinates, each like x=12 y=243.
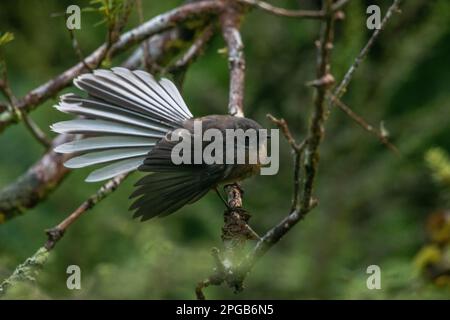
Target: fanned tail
x=124 y=116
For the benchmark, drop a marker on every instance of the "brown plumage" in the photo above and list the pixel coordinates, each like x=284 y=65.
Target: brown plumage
x=169 y=186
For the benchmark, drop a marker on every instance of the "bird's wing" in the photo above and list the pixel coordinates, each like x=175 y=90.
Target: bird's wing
x=169 y=187
x=123 y=117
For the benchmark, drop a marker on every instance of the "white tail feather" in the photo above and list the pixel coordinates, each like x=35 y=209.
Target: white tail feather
x=127 y=111
x=108 y=142
x=97 y=157
x=115 y=169
x=102 y=127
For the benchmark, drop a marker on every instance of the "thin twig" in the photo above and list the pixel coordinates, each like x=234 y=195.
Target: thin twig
x=298 y=149
x=32 y=127
x=339 y=4
x=36 y=131
x=235 y=231
x=316 y=129
x=342 y=87
x=363 y=124
x=160 y=44
x=283 y=126
x=335 y=98
x=216 y=279
x=307 y=14
x=194 y=51
x=77 y=48
x=267 y=7
x=116 y=24
x=26 y=271
x=297 y=179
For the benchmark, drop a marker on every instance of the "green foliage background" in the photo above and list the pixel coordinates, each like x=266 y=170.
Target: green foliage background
x=373 y=204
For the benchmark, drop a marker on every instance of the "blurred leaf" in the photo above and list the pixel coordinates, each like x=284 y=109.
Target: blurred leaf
x=6 y=37
x=439 y=163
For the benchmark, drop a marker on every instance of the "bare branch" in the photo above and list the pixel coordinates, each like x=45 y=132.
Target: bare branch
x=316 y=129
x=363 y=124
x=298 y=149
x=339 y=4
x=342 y=87
x=216 y=279
x=230 y=23
x=311 y=14
x=77 y=48
x=283 y=126
x=335 y=98
x=159 y=44
x=235 y=231
x=36 y=131
x=29 y=123
x=27 y=271
x=56 y=233
x=306 y=14
x=194 y=51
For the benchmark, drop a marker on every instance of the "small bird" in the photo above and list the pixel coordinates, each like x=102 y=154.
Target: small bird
x=127 y=121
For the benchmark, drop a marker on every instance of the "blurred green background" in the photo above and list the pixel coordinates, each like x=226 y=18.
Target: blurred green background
x=374 y=205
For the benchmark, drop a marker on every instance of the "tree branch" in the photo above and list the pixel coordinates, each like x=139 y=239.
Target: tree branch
x=267 y=7
x=335 y=98
x=342 y=87
x=363 y=124
x=235 y=231
x=11 y=98
x=27 y=271
x=77 y=48
x=194 y=51
x=297 y=149
x=230 y=21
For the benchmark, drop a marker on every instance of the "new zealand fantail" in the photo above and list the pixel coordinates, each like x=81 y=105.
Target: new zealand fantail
x=127 y=121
